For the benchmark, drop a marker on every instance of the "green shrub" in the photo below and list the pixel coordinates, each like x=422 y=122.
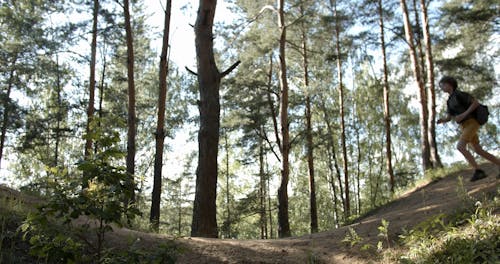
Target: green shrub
x=101 y=201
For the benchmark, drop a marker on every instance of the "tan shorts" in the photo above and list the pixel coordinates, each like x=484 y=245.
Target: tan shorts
x=470 y=127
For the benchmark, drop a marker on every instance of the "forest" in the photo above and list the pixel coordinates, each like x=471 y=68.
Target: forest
x=297 y=116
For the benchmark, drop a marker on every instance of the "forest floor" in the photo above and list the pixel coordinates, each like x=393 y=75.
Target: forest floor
x=441 y=196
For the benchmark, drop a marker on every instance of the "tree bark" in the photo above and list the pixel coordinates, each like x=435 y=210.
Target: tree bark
x=434 y=154
x=387 y=112
x=160 y=131
x=204 y=223
x=284 y=225
x=426 y=163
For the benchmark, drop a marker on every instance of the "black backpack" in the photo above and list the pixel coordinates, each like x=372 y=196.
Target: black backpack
x=481 y=114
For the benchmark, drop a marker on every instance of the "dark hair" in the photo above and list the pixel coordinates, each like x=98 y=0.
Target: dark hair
x=449 y=80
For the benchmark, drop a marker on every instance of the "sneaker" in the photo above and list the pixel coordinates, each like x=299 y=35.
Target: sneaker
x=478 y=175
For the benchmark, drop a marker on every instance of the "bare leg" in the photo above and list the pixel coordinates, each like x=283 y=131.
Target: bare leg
x=462 y=147
x=483 y=153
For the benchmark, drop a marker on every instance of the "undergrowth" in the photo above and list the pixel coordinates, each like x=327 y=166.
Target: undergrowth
x=57 y=243
x=470 y=235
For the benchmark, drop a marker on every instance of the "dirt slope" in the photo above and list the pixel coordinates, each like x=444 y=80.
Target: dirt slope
x=326 y=247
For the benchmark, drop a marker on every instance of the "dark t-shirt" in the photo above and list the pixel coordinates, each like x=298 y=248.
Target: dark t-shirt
x=459 y=102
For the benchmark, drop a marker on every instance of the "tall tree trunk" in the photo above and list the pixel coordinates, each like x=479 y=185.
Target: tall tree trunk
x=347 y=204
x=284 y=225
x=160 y=131
x=426 y=163
x=387 y=112
x=434 y=155
x=90 y=107
x=310 y=146
x=131 y=104
x=204 y=223
x=6 y=110
x=204 y=212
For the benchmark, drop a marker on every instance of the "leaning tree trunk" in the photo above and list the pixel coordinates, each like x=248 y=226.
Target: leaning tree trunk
x=310 y=146
x=387 y=113
x=284 y=225
x=426 y=163
x=204 y=223
x=434 y=155
x=160 y=131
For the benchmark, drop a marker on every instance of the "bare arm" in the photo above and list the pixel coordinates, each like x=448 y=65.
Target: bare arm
x=444 y=120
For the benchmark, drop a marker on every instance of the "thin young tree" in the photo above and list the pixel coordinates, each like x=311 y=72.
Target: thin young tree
x=160 y=131
x=204 y=223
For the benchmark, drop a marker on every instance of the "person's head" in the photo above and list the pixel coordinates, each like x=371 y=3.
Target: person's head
x=448 y=84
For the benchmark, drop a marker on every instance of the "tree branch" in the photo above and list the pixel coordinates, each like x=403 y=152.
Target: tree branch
x=190 y=71
x=264 y=136
x=230 y=69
